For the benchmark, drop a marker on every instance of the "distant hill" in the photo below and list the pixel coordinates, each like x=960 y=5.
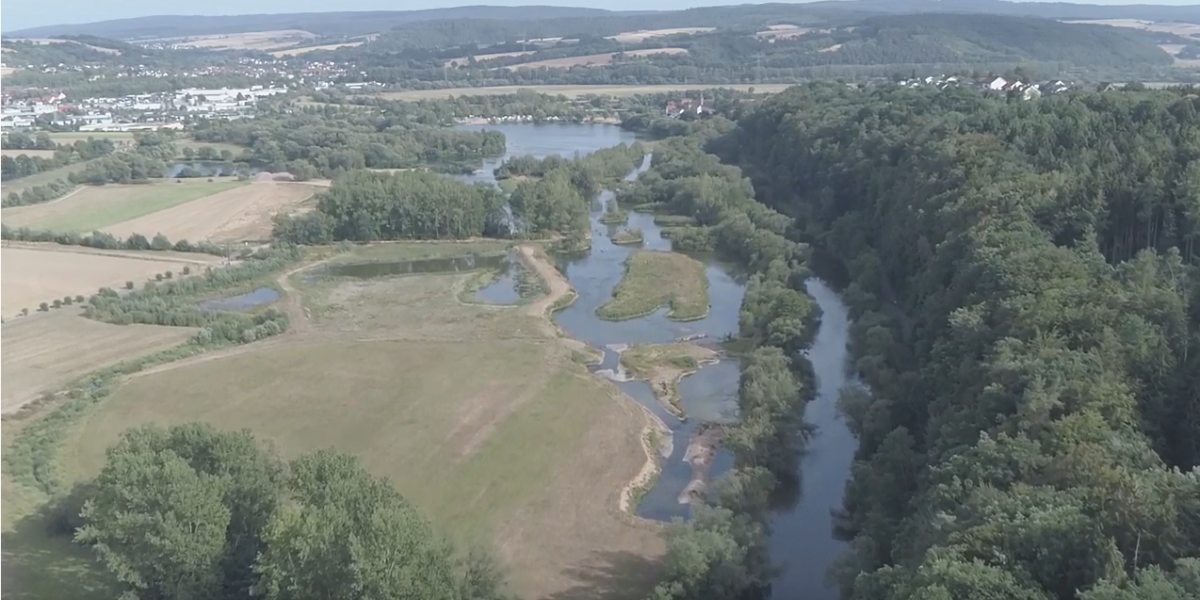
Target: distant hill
x=828 y=12
x=323 y=23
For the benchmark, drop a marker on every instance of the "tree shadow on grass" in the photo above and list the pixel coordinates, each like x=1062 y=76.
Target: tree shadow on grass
x=40 y=565
x=612 y=576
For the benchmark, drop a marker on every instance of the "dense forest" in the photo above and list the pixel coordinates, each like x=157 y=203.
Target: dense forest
x=1023 y=280
x=191 y=512
x=323 y=143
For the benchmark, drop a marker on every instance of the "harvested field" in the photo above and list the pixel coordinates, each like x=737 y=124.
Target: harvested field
x=238 y=214
x=462 y=60
x=592 y=60
x=35 y=273
x=782 y=31
x=528 y=455
x=576 y=91
x=656 y=279
x=634 y=37
x=15 y=152
x=1191 y=30
x=307 y=49
x=70 y=137
x=94 y=208
x=253 y=40
x=7 y=70
x=43 y=352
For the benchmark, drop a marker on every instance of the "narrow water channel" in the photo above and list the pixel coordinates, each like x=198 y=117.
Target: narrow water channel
x=802 y=540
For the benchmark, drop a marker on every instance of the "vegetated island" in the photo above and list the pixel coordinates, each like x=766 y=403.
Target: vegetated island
x=628 y=236
x=655 y=279
x=663 y=365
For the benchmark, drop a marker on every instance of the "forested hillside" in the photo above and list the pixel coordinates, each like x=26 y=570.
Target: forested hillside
x=1023 y=277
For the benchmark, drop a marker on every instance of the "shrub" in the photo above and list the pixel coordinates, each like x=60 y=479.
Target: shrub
x=79 y=299
x=43 y=307
x=68 y=300
x=168 y=274
x=24 y=312
x=57 y=303
x=158 y=276
x=129 y=285
x=186 y=270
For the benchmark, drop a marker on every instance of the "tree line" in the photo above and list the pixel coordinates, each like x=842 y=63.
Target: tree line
x=107 y=241
x=190 y=512
x=1023 y=281
x=329 y=142
x=23 y=165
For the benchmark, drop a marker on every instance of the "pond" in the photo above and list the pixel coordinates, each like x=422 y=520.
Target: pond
x=802 y=539
x=247 y=301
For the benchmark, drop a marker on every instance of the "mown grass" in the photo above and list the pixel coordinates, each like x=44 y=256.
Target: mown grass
x=656 y=279
x=96 y=207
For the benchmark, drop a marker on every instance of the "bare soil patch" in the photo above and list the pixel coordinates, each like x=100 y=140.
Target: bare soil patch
x=592 y=60
x=35 y=274
x=235 y=215
x=783 y=31
x=645 y=34
x=43 y=352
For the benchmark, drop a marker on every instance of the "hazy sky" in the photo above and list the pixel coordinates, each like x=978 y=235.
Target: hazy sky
x=20 y=14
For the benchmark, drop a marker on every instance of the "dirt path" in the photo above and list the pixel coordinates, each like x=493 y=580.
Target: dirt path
x=560 y=290
x=299 y=319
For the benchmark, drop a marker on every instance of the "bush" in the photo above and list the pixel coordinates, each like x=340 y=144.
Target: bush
x=168 y=274
x=79 y=299
x=57 y=303
x=186 y=270
x=68 y=300
x=43 y=307
x=24 y=312
x=158 y=276
x=129 y=285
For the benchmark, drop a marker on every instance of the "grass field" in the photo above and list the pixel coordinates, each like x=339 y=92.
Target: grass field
x=40 y=153
x=97 y=207
x=251 y=40
x=575 y=91
x=307 y=49
x=656 y=279
x=234 y=213
x=43 y=352
x=591 y=60
x=40 y=273
x=637 y=37
x=479 y=414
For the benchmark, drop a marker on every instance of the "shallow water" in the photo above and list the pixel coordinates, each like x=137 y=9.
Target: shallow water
x=258 y=297
x=545 y=139
x=802 y=529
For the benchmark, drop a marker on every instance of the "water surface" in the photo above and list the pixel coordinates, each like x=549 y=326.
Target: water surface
x=240 y=302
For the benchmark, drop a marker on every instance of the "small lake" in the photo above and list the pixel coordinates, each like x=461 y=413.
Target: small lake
x=247 y=301
x=545 y=139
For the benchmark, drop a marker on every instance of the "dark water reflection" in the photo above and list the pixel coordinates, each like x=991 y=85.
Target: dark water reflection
x=258 y=297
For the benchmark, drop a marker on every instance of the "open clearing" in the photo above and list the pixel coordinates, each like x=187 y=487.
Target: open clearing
x=47 y=41
x=307 y=49
x=575 y=91
x=17 y=152
x=656 y=279
x=462 y=60
x=1191 y=30
x=36 y=273
x=253 y=40
x=528 y=455
x=93 y=208
x=592 y=60
x=43 y=352
x=774 y=32
x=634 y=37
x=243 y=213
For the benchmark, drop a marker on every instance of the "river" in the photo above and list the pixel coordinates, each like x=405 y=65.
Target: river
x=802 y=540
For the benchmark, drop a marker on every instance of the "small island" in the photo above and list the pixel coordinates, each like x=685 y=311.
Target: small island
x=628 y=237
x=655 y=279
x=663 y=365
x=613 y=214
